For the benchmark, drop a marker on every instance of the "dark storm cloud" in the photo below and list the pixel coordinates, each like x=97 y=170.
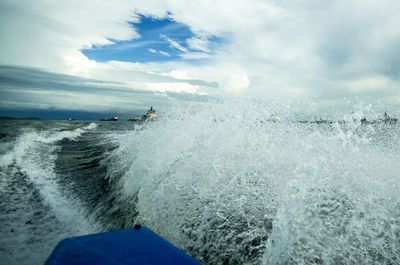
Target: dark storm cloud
x=24 y=87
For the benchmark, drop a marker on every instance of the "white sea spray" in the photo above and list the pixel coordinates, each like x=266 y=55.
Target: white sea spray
x=241 y=181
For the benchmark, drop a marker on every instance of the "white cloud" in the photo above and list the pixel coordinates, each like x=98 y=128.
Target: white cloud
x=178 y=74
x=30 y=88
x=160 y=52
x=195 y=55
x=47 y=34
x=164 y=53
x=174 y=44
x=79 y=64
x=286 y=48
x=168 y=87
x=199 y=44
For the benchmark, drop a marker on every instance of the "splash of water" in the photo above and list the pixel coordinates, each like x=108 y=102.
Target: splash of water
x=234 y=182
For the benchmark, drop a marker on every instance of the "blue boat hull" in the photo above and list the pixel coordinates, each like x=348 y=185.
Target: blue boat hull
x=139 y=246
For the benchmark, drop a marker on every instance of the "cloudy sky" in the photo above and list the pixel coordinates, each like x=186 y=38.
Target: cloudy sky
x=129 y=54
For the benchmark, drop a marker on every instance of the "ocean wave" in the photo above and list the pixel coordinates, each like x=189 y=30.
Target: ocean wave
x=231 y=185
x=34 y=153
x=29 y=139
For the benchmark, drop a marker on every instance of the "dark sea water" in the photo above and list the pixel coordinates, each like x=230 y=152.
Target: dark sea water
x=227 y=186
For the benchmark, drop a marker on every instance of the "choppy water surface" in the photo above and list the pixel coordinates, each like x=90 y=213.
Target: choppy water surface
x=220 y=180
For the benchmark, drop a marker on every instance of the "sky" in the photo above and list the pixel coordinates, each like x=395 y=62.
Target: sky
x=121 y=56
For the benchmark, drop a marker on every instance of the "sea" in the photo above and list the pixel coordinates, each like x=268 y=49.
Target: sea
x=229 y=184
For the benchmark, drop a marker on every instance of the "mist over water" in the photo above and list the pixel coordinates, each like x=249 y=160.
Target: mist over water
x=230 y=182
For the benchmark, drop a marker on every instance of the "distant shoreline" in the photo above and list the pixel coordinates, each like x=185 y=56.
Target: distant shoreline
x=16 y=118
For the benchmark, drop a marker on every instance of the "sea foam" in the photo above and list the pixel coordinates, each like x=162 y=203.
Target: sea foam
x=241 y=181
x=35 y=153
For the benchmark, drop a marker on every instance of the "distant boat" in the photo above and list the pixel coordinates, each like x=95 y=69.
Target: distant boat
x=151 y=115
x=135 y=119
x=388 y=119
x=113 y=118
x=319 y=120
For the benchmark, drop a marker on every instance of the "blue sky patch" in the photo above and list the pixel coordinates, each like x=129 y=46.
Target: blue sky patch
x=160 y=40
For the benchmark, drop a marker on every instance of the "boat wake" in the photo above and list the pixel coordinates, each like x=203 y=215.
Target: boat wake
x=36 y=210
